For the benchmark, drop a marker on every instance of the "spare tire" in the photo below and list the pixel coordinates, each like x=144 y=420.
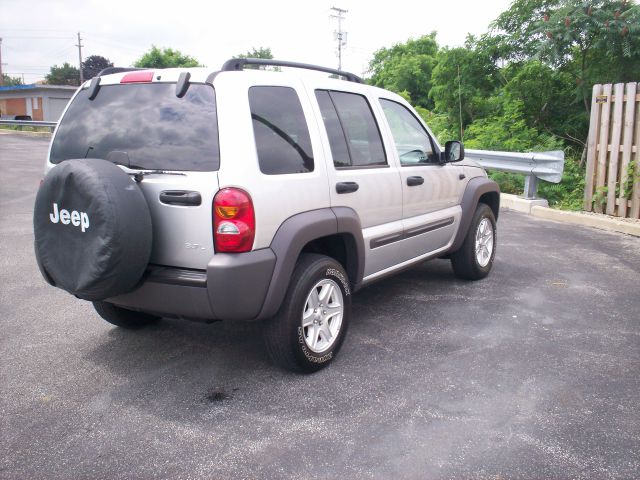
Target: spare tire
x=92 y=229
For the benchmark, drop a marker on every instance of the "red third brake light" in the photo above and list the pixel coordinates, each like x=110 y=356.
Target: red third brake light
x=234 y=222
x=138 y=77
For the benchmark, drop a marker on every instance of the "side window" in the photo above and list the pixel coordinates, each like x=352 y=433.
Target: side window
x=280 y=130
x=353 y=132
x=412 y=141
x=337 y=140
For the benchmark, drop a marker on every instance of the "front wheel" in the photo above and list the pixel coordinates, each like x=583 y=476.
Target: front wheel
x=474 y=259
x=308 y=330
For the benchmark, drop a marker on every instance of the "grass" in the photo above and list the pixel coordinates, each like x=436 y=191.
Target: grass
x=25 y=128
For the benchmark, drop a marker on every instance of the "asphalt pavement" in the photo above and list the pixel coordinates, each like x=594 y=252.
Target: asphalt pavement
x=533 y=372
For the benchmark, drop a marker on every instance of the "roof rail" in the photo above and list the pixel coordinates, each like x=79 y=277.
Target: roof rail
x=110 y=70
x=239 y=63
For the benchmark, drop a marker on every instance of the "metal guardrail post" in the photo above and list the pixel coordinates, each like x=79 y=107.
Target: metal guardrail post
x=530 y=187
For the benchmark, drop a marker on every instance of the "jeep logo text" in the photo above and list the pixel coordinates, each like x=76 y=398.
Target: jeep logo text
x=75 y=218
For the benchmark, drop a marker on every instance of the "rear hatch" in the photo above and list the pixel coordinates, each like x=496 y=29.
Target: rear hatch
x=170 y=142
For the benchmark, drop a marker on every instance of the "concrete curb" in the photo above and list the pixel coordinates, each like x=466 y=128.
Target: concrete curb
x=603 y=222
x=519 y=204
x=539 y=208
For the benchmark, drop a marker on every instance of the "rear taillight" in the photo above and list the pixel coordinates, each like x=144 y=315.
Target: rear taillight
x=138 y=77
x=233 y=221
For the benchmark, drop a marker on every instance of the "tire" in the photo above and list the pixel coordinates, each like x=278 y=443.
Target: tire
x=304 y=339
x=122 y=317
x=92 y=229
x=469 y=264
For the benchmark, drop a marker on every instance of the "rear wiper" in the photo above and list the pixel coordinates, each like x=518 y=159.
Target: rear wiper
x=139 y=176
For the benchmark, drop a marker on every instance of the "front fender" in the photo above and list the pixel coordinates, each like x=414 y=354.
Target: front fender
x=476 y=187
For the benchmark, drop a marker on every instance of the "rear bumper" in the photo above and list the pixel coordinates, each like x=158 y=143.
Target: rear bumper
x=233 y=287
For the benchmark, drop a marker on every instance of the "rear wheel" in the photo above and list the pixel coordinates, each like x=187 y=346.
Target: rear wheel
x=308 y=330
x=122 y=317
x=474 y=259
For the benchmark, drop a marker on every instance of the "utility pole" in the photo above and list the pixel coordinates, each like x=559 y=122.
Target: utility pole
x=1 y=75
x=460 y=104
x=79 y=45
x=339 y=35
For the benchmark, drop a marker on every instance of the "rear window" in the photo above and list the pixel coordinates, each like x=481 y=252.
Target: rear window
x=142 y=126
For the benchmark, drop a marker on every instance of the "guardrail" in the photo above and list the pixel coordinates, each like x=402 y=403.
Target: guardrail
x=547 y=166
x=30 y=123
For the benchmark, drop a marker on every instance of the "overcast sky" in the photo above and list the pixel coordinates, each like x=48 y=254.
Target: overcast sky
x=38 y=33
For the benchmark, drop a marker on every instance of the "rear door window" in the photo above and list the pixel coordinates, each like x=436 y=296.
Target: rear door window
x=280 y=129
x=352 y=129
x=142 y=126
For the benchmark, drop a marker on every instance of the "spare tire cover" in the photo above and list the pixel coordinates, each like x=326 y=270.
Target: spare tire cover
x=92 y=229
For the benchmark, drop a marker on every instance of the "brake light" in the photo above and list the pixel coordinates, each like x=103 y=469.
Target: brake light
x=234 y=222
x=138 y=77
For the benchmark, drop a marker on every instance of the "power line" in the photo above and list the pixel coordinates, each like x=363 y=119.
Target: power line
x=111 y=43
x=39 y=38
x=21 y=29
x=31 y=66
x=57 y=50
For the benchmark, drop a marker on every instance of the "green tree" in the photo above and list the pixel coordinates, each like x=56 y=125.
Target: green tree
x=515 y=33
x=407 y=67
x=260 y=52
x=598 y=42
x=464 y=78
x=65 y=75
x=547 y=99
x=9 y=81
x=165 y=58
x=93 y=64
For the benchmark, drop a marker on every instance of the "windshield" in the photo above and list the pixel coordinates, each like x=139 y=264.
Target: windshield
x=142 y=126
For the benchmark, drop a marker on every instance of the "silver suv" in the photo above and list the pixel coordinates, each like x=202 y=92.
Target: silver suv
x=246 y=194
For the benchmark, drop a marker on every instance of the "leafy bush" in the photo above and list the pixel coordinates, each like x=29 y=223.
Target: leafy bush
x=567 y=194
x=508 y=131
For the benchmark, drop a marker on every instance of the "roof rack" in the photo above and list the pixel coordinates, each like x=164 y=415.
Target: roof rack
x=110 y=70
x=239 y=63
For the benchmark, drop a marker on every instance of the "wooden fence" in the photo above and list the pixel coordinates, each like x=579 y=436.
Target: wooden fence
x=612 y=183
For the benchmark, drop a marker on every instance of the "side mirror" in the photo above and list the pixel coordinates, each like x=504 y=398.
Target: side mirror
x=453 y=151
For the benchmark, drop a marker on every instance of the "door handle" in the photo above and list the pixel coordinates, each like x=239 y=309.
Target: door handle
x=346 y=187
x=180 y=197
x=413 y=181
